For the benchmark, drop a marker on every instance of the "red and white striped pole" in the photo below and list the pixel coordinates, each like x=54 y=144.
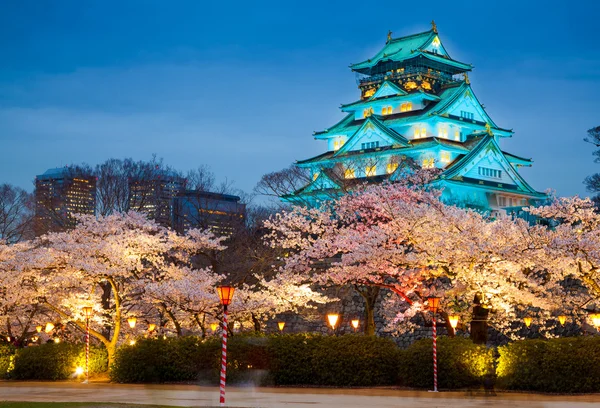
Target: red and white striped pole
x=435 y=382
x=87 y=349
x=223 y=359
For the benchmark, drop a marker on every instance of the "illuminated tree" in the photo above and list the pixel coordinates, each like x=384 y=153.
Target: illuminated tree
x=403 y=238
x=124 y=252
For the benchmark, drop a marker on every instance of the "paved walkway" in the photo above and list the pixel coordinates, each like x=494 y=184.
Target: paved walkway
x=196 y=396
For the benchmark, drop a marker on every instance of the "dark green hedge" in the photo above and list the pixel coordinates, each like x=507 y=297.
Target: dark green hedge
x=461 y=364
x=52 y=361
x=341 y=361
x=279 y=360
x=7 y=353
x=188 y=359
x=566 y=365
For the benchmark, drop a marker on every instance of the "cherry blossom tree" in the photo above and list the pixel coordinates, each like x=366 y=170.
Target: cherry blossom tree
x=107 y=263
x=403 y=238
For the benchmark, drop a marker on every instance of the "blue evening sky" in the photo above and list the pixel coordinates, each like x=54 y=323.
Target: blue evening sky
x=240 y=86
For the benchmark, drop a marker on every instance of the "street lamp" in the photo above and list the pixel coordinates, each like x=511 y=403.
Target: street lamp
x=562 y=319
x=453 y=319
x=527 y=321
x=213 y=327
x=354 y=324
x=333 y=318
x=49 y=327
x=151 y=327
x=281 y=325
x=434 y=302
x=87 y=311
x=38 y=328
x=132 y=321
x=225 y=296
x=596 y=319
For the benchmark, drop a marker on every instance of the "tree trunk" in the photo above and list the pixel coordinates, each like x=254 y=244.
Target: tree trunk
x=256 y=323
x=369 y=294
x=105 y=301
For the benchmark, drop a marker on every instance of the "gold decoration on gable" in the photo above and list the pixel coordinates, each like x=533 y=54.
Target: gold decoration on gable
x=434 y=26
x=369 y=92
x=426 y=85
x=410 y=85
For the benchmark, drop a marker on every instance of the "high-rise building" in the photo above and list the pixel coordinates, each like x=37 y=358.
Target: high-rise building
x=221 y=213
x=416 y=102
x=154 y=194
x=61 y=193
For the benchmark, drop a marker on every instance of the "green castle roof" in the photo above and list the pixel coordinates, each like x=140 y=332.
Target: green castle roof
x=408 y=47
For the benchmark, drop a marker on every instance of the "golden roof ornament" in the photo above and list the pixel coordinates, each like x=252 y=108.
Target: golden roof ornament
x=467 y=80
x=389 y=37
x=488 y=129
x=433 y=26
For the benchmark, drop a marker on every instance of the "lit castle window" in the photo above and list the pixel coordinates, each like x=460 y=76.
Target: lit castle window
x=349 y=174
x=405 y=107
x=445 y=157
x=371 y=170
x=368 y=112
x=443 y=132
x=391 y=167
x=420 y=131
x=386 y=110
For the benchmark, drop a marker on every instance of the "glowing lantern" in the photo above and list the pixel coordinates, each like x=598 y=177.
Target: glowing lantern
x=225 y=294
x=453 y=319
x=333 y=318
x=213 y=327
x=596 y=319
x=131 y=342
x=132 y=321
x=79 y=371
x=527 y=321
x=38 y=329
x=281 y=325
x=151 y=327
x=434 y=303
x=56 y=340
x=354 y=324
x=49 y=327
x=562 y=319
x=87 y=311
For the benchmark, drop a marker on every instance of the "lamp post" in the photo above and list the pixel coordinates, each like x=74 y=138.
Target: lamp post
x=87 y=311
x=453 y=319
x=434 y=303
x=562 y=319
x=281 y=325
x=225 y=296
x=132 y=321
x=332 y=318
x=527 y=321
x=354 y=324
x=596 y=320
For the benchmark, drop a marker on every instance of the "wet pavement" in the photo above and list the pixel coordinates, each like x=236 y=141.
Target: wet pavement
x=198 y=396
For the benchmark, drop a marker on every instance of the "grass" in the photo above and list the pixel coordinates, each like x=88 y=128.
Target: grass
x=74 y=405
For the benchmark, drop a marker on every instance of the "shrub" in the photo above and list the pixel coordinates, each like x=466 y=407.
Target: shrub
x=158 y=360
x=566 y=365
x=7 y=354
x=56 y=361
x=336 y=361
x=460 y=363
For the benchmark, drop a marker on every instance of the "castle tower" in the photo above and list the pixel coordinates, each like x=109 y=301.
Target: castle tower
x=416 y=102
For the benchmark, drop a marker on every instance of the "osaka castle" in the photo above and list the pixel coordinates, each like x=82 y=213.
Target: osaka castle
x=416 y=103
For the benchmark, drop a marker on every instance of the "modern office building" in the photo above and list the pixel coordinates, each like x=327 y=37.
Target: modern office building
x=61 y=193
x=221 y=213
